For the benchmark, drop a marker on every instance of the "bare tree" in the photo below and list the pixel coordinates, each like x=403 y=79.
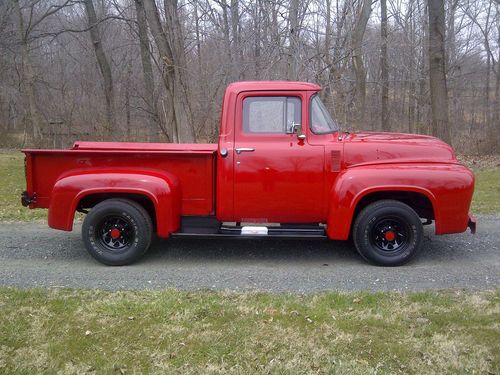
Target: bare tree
x=437 y=71
x=171 y=49
x=496 y=108
x=293 y=51
x=168 y=68
x=147 y=70
x=235 y=19
x=227 y=37
x=104 y=67
x=28 y=77
x=412 y=69
x=384 y=69
x=357 y=60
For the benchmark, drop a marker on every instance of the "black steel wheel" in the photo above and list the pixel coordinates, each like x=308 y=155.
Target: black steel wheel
x=117 y=232
x=387 y=233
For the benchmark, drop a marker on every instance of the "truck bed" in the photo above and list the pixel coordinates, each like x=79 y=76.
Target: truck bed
x=192 y=164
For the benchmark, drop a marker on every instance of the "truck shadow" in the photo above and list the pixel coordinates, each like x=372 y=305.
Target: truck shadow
x=434 y=249
x=274 y=250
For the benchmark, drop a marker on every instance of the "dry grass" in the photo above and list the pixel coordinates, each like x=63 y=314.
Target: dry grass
x=481 y=162
x=72 y=332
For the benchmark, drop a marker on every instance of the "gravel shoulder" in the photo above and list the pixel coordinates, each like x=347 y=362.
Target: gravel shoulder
x=32 y=255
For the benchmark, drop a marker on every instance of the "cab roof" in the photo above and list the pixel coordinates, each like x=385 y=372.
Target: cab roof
x=238 y=87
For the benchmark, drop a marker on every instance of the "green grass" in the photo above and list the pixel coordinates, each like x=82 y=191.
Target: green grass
x=13 y=183
x=68 y=331
x=486 y=196
x=487 y=192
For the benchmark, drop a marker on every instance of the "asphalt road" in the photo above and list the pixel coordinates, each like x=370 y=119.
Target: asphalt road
x=32 y=255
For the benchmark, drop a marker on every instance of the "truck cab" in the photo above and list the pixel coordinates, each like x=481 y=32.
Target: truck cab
x=281 y=168
x=272 y=164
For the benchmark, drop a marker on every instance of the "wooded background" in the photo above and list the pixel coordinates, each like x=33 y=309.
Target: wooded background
x=156 y=70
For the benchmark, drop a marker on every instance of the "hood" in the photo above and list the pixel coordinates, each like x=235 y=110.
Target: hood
x=371 y=147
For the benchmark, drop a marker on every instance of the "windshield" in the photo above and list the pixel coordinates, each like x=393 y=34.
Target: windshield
x=321 y=121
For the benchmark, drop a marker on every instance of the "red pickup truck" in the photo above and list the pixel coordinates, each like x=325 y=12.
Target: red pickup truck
x=282 y=168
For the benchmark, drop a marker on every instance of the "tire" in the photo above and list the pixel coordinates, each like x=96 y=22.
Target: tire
x=387 y=233
x=117 y=232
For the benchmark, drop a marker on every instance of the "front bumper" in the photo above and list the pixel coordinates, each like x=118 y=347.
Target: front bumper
x=472 y=224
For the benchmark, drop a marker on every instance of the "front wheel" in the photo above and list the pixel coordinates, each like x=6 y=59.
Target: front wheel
x=117 y=232
x=387 y=233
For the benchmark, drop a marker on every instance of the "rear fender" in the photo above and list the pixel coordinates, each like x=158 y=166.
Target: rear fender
x=448 y=187
x=161 y=188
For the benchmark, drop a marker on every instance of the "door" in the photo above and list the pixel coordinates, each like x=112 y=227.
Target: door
x=277 y=177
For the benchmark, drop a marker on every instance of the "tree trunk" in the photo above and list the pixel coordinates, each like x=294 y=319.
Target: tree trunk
x=28 y=83
x=384 y=70
x=104 y=67
x=437 y=71
x=257 y=37
x=11 y=118
x=128 y=116
x=357 y=61
x=451 y=56
x=487 y=90
x=422 y=68
x=171 y=50
x=181 y=89
x=327 y=92
x=275 y=31
x=293 y=51
x=412 y=98
x=227 y=40
x=147 y=71
x=451 y=41
x=496 y=108
x=236 y=40
x=336 y=69
x=198 y=38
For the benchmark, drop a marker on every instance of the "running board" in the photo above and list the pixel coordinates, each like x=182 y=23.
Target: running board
x=305 y=232
x=259 y=231
x=243 y=236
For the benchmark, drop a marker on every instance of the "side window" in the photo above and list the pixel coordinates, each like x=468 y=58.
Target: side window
x=321 y=121
x=276 y=114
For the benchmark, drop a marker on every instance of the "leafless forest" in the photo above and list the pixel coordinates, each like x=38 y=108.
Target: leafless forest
x=156 y=70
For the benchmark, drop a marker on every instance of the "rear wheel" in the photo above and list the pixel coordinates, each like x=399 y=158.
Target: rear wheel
x=117 y=232
x=387 y=233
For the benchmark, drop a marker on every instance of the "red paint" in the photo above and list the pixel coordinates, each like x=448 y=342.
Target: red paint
x=321 y=179
x=115 y=233
x=267 y=180
x=390 y=235
x=161 y=188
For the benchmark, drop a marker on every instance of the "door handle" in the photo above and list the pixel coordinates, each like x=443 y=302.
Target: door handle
x=244 y=149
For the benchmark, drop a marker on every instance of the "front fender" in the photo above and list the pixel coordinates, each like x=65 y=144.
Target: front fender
x=448 y=187
x=161 y=188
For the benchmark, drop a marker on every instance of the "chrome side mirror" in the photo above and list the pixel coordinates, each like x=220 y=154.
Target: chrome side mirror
x=293 y=129
x=297 y=129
